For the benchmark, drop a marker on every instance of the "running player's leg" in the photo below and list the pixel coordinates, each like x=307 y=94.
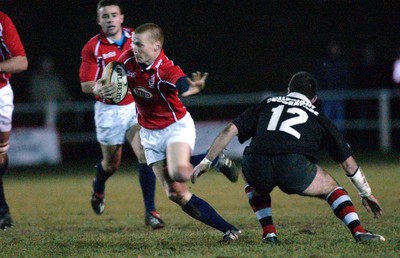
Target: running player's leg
x=104 y=170
x=261 y=206
x=5 y=217
x=324 y=186
x=168 y=151
x=177 y=192
x=258 y=173
x=147 y=179
x=6 y=110
x=111 y=121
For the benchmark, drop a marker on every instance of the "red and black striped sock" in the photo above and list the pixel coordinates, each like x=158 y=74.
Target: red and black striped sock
x=343 y=208
x=261 y=206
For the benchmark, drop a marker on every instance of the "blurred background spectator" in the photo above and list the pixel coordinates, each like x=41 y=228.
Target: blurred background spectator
x=48 y=87
x=332 y=72
x=368 y=75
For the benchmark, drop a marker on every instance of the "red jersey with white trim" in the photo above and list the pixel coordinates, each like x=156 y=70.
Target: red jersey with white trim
x=154 y=89
x=10 y=45
x=97 y=53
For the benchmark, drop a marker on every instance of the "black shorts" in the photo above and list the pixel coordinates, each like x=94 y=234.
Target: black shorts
x=292 y=173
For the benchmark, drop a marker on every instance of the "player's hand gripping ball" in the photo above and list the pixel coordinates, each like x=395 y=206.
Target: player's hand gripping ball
x=115 y=82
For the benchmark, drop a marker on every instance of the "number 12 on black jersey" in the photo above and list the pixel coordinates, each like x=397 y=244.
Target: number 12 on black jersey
x=286 y=124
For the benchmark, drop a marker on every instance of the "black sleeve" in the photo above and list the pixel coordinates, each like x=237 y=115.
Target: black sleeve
x=247 y=122
x=182 y=84
x=334 y=142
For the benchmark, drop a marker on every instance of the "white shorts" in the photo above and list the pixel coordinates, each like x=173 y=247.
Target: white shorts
x=112 y=122
x=155 y=142
x=6 y=108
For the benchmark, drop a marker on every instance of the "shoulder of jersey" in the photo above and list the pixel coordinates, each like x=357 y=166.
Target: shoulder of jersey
x=115 y=72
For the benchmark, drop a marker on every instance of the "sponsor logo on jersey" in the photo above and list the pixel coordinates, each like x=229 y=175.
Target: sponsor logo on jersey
x=151 y=81
x=295 y=102
x=131 y=74
x=142 y=92
x=109 y=54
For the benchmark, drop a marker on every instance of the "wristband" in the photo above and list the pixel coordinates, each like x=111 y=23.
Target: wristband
x=207 y=162
x=360 y=183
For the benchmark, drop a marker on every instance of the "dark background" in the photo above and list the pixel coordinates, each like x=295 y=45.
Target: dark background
x=246 y=46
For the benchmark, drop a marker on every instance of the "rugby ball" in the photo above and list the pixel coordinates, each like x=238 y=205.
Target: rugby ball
x=115 y=72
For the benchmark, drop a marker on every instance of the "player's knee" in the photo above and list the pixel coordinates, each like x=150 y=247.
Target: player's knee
x=182 y=174
x=110 y=168
x=141 y=158
x=177 y=198
x=4 y=148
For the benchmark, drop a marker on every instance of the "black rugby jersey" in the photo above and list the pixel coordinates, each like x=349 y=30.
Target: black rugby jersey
x=290 y=124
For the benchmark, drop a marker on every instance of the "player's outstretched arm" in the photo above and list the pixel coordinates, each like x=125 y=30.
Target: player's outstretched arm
x=196 y=84
x=360 y=182
x=14 y=64
x=219 y=144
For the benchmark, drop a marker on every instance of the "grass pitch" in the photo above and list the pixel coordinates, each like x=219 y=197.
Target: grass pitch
x=53 y=217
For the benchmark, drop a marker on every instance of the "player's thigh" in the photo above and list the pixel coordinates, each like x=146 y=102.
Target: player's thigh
x=133 y=137
x=178 y=156
x=180 y=144
x=322 y=184
x=257 y=171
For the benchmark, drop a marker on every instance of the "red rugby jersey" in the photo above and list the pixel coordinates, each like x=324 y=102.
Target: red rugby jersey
x=155 y=91
x=10 y=45
x=97 y=53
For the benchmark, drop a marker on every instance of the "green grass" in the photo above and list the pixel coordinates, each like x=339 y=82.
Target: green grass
x=53 y=217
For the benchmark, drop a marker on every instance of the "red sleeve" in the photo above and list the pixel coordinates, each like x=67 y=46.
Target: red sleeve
x=11 y=38
x=172 y=74
x=89 y=70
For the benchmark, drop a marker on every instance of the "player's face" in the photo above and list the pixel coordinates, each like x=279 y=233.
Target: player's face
x=110 y=20
x=145 y=49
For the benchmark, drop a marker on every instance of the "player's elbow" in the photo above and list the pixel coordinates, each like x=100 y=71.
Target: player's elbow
x=21 y=64
x=24 y=64
x=230 y=130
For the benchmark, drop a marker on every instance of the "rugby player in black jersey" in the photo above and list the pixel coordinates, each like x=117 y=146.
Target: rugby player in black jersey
x=288 y=134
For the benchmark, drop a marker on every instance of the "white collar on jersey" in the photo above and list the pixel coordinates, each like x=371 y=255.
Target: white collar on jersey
x=299 y=96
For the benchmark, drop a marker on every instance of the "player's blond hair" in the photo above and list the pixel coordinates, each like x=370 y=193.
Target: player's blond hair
x=155 y=31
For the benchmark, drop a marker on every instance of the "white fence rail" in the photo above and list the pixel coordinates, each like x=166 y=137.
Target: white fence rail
x=385 y=124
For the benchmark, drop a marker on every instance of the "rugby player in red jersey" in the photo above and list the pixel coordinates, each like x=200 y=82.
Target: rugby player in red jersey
x=168 y=132
x=114 y=122
x=12 y=60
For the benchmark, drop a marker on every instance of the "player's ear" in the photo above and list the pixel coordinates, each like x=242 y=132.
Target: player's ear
x=122 y=18
x=314 y=99
x=157 y=46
